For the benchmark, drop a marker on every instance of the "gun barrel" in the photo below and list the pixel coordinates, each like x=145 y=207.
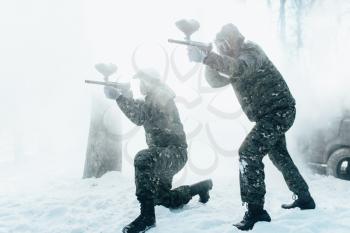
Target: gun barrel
x=95 y=82
x=191 y=43
x=111 y=84
x=178 y=41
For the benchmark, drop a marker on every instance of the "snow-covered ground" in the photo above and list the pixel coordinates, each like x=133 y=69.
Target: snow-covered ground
x=105 y=205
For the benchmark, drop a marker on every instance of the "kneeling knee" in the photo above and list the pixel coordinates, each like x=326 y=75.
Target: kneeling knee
x=143 y=159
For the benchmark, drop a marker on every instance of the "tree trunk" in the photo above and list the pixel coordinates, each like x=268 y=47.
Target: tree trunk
x=282 y=21
x=104 y=150
x=269 y=4
x=299 y=12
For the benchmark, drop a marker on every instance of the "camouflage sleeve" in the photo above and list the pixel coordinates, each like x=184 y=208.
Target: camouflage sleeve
x=224 y=64
x=248 y=62
x=133 y=109
x=215 y=79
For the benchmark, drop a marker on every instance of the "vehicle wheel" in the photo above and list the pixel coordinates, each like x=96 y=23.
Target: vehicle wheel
x=338 y=164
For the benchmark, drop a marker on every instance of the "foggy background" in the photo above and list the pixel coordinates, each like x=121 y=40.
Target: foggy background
x=48 y=49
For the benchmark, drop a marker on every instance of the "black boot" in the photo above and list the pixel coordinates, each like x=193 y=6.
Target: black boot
x=144 y=221
x=304 y=202
x=255 y=214
x=202 y=189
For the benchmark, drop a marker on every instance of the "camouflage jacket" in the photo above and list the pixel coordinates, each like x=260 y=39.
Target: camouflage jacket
x=259 y=86
x=161 y=122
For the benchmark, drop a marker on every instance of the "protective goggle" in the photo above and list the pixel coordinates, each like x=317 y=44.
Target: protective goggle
x=222 y=44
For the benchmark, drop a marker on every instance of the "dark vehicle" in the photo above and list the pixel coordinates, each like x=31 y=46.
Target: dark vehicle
x=327 y=151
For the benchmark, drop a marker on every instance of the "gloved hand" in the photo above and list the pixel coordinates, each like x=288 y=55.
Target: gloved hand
x=114 y=93
x=111 y=92
x=196 y=55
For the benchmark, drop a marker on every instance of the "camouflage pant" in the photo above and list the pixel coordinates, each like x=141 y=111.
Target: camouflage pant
x=154 y=171
x=268 y=137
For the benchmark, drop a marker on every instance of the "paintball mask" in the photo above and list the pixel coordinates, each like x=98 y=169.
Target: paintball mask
x=152 y=84
x=229 y=40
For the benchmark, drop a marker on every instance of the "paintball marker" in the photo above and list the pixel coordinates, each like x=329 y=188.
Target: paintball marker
x=107 y=70
x=121 y=86
x=188 y=27
x=202 y=46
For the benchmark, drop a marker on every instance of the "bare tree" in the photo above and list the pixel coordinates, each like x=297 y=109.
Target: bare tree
x=297 y=9
x=269 y=4
x=299 y=4
x=282 y=20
